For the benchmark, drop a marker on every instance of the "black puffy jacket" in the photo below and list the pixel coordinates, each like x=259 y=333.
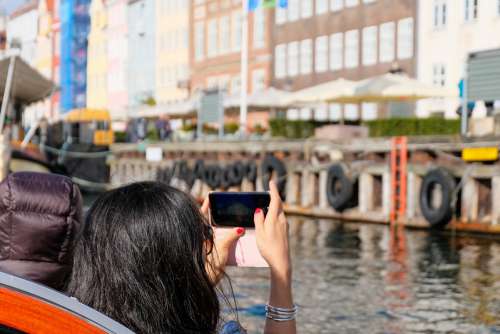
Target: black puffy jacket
x=40 y=216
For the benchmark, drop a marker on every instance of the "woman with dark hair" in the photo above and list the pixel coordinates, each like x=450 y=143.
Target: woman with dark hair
x=147 y=258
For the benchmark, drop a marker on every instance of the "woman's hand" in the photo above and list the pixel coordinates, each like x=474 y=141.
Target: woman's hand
x=272 y=240
x=217 y=259
x=272 y=235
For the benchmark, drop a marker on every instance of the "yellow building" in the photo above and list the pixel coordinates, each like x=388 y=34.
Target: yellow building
x=172 y=50
x=97 y=65
x=44 y=43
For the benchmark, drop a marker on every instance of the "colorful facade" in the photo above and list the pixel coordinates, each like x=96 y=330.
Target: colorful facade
x=44 y=59
x=75 y=25
x=22 y=30
x=117 y=55
x=97 y=76
x=172 y=50
x=141 y=57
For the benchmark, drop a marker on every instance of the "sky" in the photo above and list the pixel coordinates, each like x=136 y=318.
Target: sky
x=10 y=5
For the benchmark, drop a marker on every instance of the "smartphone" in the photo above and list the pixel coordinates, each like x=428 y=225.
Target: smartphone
x=232 y=209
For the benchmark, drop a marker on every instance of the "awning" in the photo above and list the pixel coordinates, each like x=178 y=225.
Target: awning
x=397 y=88
x=28 y=85
x=268 y=98
x=179 y=109
x=332 y=91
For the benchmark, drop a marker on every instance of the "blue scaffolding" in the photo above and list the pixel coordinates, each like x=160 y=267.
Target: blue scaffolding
x=75 y=27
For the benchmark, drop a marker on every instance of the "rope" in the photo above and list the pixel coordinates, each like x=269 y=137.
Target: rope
x=73 y=154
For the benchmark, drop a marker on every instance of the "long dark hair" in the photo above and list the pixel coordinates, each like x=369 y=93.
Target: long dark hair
x=141 y=260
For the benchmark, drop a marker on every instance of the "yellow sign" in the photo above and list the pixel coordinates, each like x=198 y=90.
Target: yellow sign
x=480 y=154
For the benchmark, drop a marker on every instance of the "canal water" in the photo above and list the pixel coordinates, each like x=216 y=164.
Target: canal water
x=358 y=278
x=355 y=278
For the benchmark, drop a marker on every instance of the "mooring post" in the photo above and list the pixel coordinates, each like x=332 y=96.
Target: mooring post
x=470 y=200
x=323 y=199
x=366 y=203
x=495 y=198
x=386 y=193
x=306 y=198
x=414 y=183
x=292 y=188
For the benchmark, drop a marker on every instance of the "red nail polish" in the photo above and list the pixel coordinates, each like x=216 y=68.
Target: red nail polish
x=258 y=210
x=240 y=230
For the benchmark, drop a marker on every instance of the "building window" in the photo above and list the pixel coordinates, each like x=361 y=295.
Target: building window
x=306 y=55
x=405 y=38
x=370 y=45
x=212 y=38
x=440 y=13
x=292 y=58
x=258 y=80
x=236 y=31
x=280 y=61
x=280 y=15
x=236 y=85
x=351 y=49
x=336 y=51
x=199 y=40
x=224 y=34
x=259 y=28
x=306 y=8
x=321 y=54
x=336 y=5
x=351 y=3
x=321 y=7
x=293 y=10
x=386 y=42
x=439 y=74
x=471 y=7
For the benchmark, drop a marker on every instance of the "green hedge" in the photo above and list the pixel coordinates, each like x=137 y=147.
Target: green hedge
x=120 y=137
x=413 y=127
x=293 y=129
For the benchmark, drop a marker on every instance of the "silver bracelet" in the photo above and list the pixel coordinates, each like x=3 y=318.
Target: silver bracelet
x=281 y=314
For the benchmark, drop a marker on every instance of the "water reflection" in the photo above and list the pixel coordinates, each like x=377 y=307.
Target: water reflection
x=355 y=278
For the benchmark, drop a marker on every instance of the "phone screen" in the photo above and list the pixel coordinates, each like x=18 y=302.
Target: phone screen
x=232 y=209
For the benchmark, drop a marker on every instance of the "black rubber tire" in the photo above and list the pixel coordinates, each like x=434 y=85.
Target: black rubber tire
x=440 y=216
x=339 y=198
x=186 y=173
x=225 y=181
x=251 y=171
x=236 y=173
x=165 y=175
x=213 y=176
x=271 y=165
x=199 y=169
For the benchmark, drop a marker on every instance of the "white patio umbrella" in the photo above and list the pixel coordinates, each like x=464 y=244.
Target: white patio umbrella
x=397 y=87
x=269 y=98
x=332 y=91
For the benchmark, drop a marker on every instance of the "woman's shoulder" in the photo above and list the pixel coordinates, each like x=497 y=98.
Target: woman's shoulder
x=232 y=327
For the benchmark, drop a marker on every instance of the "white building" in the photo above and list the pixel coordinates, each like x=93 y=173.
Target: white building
x=448 y=30
x=22 y=28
